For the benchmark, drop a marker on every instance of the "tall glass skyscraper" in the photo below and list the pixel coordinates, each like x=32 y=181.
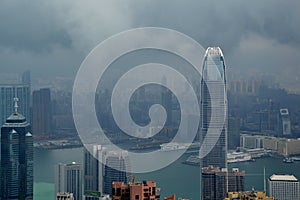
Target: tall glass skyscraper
x=116 y=169
x=16 y=158
x=213 y=111
x=41 y=112
x=213 y=84
x=93 y=172
x=102 y=167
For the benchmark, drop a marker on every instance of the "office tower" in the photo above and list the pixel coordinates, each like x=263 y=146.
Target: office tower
x=145 y=190
x=214 y=77
x=16 y=158
x=7 y=94
x=252 y=195
x=68 y=178
x=116 y=169
x=214 y=182
x=26 y=78
x=41 y=112
x=64 y=196
x=93 y=172
x=284 y=122
x=233 y=132
x=283 y=187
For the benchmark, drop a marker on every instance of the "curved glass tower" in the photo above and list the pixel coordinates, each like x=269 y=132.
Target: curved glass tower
x=213 y=113
x=213 y=83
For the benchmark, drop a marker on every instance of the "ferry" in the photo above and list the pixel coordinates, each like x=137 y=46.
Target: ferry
x=288 y=160
x=174 y=146
x=192 y=160
x=238 y=157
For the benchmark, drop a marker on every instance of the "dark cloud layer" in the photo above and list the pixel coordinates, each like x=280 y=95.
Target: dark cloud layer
x=256 y=36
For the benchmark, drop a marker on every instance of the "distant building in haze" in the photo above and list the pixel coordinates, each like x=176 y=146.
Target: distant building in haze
x=233 y=132
x=216 y=182
x=16 y=158
x=283 y=187
x=41 y=112
x=26 y=78
x=284 y=122
x=68 y=178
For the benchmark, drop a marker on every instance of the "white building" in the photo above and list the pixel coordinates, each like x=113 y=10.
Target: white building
x=68 y=178
x=284 y=187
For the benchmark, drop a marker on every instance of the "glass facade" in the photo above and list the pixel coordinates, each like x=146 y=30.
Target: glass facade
x=16 y=159
x=214 y=78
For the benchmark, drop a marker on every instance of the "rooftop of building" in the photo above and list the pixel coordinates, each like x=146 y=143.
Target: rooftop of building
x=213 y=51
x=285 y=177
x=16 y=117
x=249 y=195
x=135 y=183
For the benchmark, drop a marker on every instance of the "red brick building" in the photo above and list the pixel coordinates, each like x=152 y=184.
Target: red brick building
x=145 y=190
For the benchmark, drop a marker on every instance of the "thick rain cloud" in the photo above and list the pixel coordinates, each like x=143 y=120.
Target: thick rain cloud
x=53 y=37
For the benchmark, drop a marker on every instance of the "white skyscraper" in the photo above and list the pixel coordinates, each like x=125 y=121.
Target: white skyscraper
x=284 y=187
x=68 y=178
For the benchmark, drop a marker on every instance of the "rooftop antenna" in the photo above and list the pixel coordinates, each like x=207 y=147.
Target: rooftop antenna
x=265 y=179
x=16 y=105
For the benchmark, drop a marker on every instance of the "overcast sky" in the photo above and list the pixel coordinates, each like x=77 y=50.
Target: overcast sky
x=51 y=38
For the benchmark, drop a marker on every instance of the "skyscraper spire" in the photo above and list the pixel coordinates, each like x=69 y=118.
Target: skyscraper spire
x=16 y=105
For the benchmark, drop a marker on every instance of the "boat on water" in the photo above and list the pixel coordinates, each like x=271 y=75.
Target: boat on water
x=238 y=157
x=192 y=160
x=174 y=146
x=295 y=158
x=288 y=160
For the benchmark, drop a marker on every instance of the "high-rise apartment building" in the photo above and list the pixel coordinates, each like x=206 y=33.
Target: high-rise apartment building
x=68 y=178
x=283 y=187
x=16 y=158
x=41 y=112
x=216 y=182
x=145 y=190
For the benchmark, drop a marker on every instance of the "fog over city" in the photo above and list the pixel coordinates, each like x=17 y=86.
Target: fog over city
x=51 y=38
